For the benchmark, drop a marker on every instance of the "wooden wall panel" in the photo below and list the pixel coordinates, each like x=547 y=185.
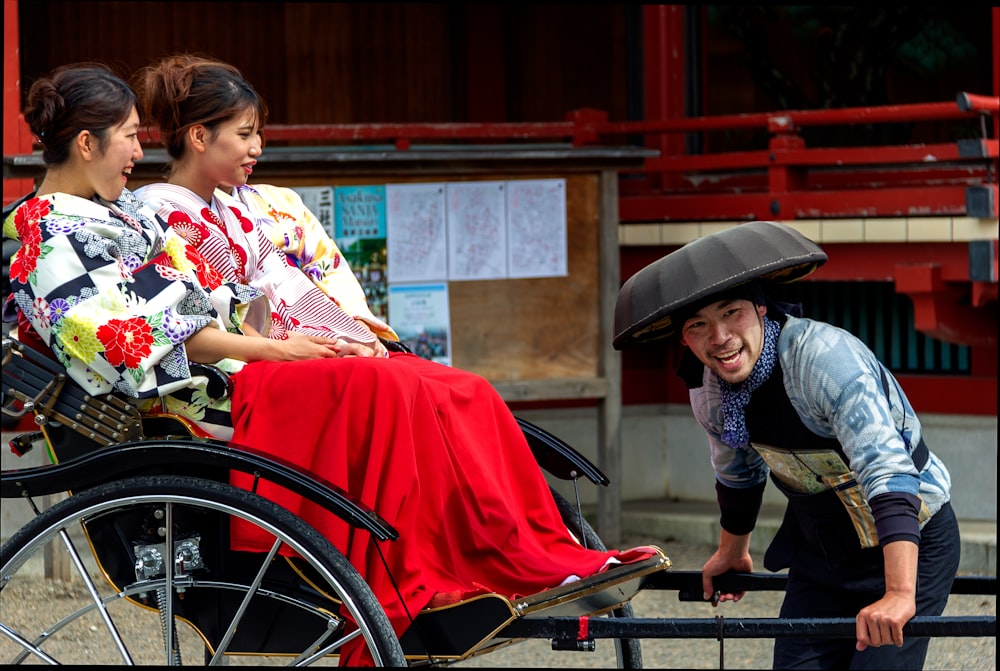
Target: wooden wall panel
x=320 y=62
x=565 y=57
x=541 y=328
x=131 y=35
x=367 y=63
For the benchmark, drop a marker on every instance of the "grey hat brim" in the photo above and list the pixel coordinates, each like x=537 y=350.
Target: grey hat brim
x=757 y=250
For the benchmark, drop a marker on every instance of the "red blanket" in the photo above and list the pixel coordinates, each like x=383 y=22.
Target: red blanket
x=435 y=451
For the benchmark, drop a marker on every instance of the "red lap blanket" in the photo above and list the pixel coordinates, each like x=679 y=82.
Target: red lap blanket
x=435 y=451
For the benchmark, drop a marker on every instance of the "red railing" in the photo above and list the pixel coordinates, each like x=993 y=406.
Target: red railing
x=402 y=135
x=789 y=180
x=786 y=179
x=583 y=127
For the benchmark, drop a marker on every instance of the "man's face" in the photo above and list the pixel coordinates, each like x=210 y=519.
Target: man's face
x=727 y=336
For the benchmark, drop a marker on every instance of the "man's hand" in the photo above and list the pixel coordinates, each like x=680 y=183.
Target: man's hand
x=881 y=623
x=733 y=554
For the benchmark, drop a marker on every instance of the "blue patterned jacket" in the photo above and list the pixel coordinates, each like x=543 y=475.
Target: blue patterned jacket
x=835 y=385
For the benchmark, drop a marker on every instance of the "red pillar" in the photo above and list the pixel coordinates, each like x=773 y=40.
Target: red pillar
x=664 y=62
x=996 y=67
x=16 y=136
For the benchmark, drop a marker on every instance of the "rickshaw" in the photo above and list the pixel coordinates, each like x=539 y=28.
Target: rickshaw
x=143 y=526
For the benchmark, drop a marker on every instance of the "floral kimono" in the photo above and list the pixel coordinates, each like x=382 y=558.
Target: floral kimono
x=233 y=245
x=115 y=297
x=281 y=215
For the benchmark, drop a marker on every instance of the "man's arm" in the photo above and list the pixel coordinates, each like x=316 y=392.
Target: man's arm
x=738 y=509
x=881 y=623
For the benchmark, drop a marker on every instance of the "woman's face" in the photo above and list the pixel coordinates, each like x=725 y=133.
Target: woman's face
x=232 y=153
x=114 y=164
x=727 y=336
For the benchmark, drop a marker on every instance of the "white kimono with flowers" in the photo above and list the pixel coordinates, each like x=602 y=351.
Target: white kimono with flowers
x=115 y=297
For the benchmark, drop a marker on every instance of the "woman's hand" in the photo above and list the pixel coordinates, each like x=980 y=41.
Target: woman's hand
x=343 y=348
x=346 y=349
x=304 y=347
x=209 y=345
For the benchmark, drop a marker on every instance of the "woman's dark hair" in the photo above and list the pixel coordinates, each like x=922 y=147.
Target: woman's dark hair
x=185 y=90
x=75 y=98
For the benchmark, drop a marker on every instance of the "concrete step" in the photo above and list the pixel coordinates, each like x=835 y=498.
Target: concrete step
x=698 y=522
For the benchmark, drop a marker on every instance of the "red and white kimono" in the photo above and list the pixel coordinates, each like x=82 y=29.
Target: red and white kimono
x=226 y=236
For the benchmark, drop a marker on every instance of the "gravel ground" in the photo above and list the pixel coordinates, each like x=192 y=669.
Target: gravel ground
x=945 y=653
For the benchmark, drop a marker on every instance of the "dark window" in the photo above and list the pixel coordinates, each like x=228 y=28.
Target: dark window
x=883 y=319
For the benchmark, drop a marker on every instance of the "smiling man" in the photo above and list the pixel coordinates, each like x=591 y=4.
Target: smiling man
x=868 y=532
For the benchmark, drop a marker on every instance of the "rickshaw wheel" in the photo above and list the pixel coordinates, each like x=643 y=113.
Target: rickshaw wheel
x=122 y=601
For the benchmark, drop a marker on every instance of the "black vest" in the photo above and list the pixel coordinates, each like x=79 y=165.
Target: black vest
x=771 y=419
x=815 y=525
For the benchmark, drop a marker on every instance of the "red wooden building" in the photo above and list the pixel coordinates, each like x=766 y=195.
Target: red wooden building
x=753 y=111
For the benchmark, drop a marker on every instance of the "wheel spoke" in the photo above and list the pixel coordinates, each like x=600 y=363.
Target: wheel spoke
x=168 y=587
x=320 y=653
x=98 y=602
x=29 y=648
x=250 y=593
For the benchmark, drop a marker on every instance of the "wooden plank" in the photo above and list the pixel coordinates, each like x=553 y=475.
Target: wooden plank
x=609 y=418
x=552 y=390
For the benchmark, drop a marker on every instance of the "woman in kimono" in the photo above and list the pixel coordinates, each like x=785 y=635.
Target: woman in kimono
x=125 y=305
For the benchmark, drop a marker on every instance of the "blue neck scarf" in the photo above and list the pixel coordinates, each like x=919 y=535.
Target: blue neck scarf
x=735 y=397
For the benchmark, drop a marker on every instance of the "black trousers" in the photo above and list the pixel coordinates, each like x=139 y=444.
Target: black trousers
x=815 y=589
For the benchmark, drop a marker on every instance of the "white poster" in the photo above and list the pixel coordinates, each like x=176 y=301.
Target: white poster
x=536 y=228
x=416 y=236
x=319 y=201
x=477 y=235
